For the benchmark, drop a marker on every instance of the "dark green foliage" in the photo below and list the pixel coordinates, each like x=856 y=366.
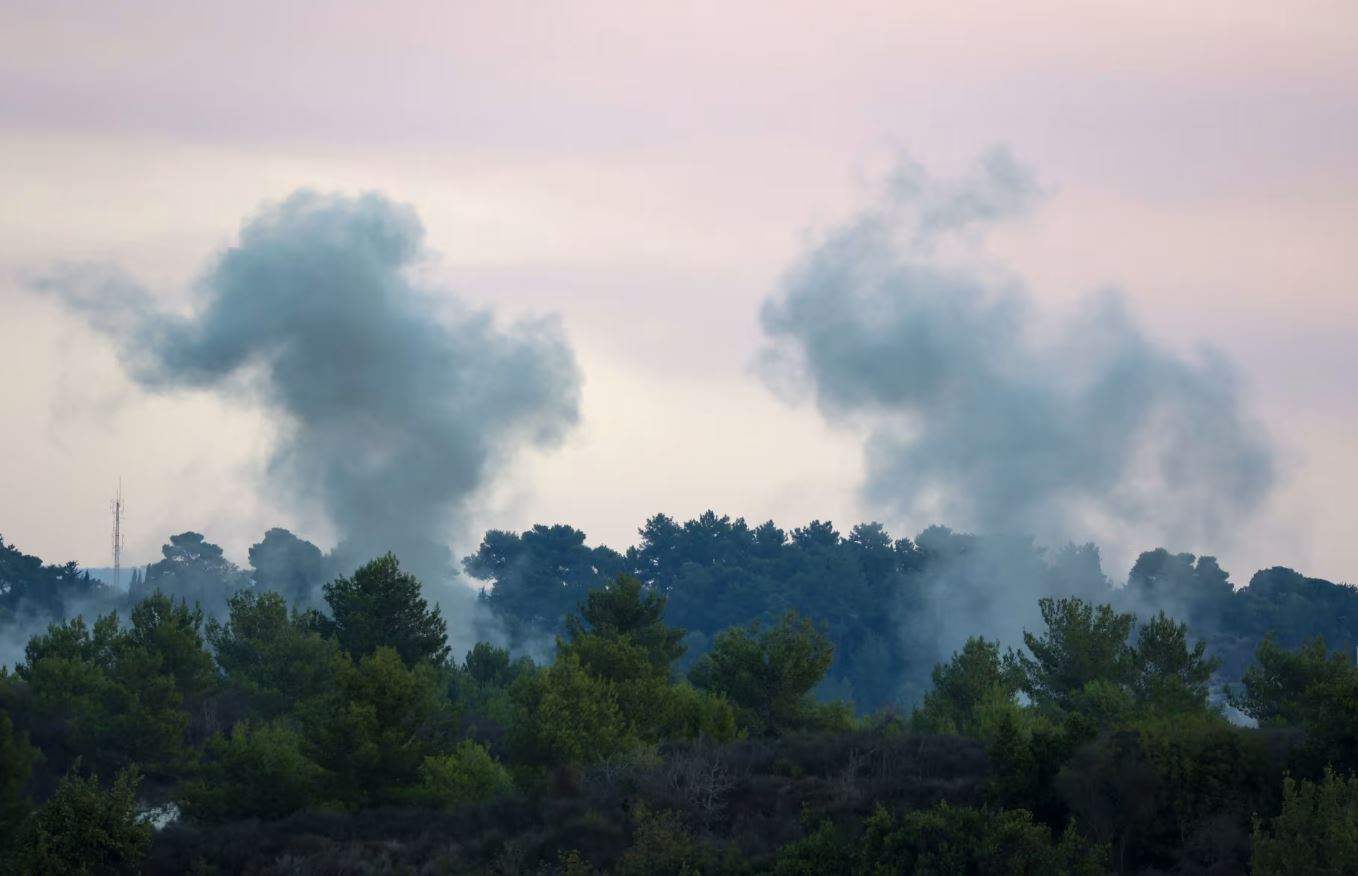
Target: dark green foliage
x=823 y=851
x=123 y=695
x=1311 y=689
x=971 y=692
x=30 y=587
x=1169 y=677
x=719 y=573
x=716 y=573
x=730 y=807
x=662 y=844
x=372 y=733
x=1316 y=832
x=768 y=673
x=193 y=570
x=620 y=641
x=276 y=660
x=253 y=772
x=1084 y=668
x=381 y=606
x=1282 y=688
x=887 y=605
x=1194 y=589
x=168 y=636
x=288 y=565
x=67 y=676
x=17 y=759
x=1177 y=791
x=542 y=575
x=942 y=840
x=948 y=839
x=351 y=743
x=563 y=715
x=1082 y=645
x=891 y=607
x=480 y=690
x=1290 y=607
x=489 y=666
x=84 y=828
x=467 y=776
x=624 y=609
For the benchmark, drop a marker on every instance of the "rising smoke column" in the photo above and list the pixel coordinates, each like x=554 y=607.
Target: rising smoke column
x=395 y=406
x=978 y=412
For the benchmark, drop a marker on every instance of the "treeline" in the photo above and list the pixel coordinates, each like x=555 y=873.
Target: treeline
x=33 y=590
x=339 y=734
x=892 y=608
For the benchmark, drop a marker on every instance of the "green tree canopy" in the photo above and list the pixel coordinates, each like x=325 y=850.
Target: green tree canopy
x=1310 y=688
x=28 y=585
x=85 y=829
x=466 y=776
x=968 y=689
x=256 y=771
x=768 y=672
x=541 y=575
x=372 y=734
x=17 y=758
x=625 y=609
x=1169 y=677
x=1316 y=832
x=381 y=606
x=621 y=639
x=277 y=660
x=564 y=715
x=1081 y=644
x=123 y=695
x=195 y=570
x=1282 y=688
x=289 y=565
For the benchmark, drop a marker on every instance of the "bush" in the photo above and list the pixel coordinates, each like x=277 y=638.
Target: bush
x=1173 y=793
x=83 y=828
x=663 y=846
x=565 y=716
x=769 y=673
x=467 y=776
x=17 y=758
x=690 y=713
x=947 y=839
x=257 y=771
x=1317 y=831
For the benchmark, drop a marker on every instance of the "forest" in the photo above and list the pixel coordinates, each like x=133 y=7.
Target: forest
x=719 y=698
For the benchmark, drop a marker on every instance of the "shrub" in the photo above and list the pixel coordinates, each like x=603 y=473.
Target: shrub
x=467 y=776
x=83 y=828
x=1316 y=832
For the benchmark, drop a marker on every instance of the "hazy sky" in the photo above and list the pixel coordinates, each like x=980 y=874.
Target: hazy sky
x=650 y=175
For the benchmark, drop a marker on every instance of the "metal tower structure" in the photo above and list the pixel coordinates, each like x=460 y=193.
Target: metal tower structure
x=117 y=505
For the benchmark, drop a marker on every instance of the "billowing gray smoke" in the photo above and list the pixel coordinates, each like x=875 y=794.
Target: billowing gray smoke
x=984 y=414
x=396 y=406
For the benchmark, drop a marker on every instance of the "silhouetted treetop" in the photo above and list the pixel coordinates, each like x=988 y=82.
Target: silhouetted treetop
x=381 y=606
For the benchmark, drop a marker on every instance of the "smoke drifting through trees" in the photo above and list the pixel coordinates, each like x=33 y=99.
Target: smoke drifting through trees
x=396 y=407
x=1087 y=432
x=395 y=417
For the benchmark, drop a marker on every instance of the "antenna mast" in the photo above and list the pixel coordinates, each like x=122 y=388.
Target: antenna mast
x=118 y=536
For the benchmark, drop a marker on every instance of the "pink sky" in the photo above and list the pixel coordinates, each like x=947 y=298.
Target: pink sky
x=648 y=173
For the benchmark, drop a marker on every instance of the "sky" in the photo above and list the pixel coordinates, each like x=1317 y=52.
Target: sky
x=650 y=173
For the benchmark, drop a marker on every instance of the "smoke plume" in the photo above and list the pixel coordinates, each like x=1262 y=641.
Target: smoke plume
x=395 y=404
x=982 y=411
